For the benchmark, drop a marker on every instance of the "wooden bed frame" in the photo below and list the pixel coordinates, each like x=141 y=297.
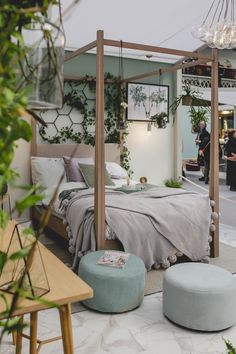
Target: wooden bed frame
x=112 y=154
x=198 y=57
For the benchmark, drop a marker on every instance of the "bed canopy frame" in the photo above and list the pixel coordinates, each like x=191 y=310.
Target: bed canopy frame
x=199 y=57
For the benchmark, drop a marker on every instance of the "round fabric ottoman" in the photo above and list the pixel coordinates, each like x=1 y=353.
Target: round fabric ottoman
x=199 y=296
x=115 y=290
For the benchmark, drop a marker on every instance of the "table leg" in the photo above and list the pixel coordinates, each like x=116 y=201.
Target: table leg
x=33 y=332
x=18 y=337
x=66 y=328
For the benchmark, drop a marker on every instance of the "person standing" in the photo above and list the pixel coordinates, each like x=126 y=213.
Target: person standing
x=203 y=142
x=230 y=149
x=226 y=154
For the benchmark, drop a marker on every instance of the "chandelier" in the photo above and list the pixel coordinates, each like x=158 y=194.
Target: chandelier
x=218 y=30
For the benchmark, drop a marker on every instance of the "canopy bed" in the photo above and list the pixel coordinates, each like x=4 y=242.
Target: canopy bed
x=101 y=148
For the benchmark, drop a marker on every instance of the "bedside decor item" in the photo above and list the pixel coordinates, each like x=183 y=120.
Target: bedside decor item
x=143 y=179
x=115 y=290
x=34 y=281
x=199 y=296
x=144 y=101
x=218 y=29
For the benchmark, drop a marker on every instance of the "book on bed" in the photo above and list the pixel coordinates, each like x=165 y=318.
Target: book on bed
x=113 y=259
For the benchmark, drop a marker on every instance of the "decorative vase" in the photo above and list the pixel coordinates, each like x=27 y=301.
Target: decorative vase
x=43 y=65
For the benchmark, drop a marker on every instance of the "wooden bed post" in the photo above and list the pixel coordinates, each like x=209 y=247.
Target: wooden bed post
x=214 y=158
x=99 y=146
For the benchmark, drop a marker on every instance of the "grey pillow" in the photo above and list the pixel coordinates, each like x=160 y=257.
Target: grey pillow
x=88 y=172
x=73 y=173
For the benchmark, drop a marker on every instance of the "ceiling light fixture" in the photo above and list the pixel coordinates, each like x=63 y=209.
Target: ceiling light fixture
x=218 y=30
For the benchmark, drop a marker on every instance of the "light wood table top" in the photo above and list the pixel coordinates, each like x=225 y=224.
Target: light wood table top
x=65 y=286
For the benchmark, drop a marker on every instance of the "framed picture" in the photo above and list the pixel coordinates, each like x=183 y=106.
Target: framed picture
x=146 y=101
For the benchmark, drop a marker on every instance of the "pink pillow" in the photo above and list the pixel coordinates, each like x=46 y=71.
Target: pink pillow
x=73 y=173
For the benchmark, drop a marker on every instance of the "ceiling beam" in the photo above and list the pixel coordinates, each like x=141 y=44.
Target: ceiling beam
x=166 y=70
x=82 y=50
x=155 y=49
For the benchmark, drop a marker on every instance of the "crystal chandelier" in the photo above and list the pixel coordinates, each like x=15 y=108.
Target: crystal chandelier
x=218 y=30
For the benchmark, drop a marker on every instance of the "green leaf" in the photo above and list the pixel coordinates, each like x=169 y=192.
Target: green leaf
x=4 y=217
x=9 y=94
x=3 y=259
x=13 y=324
x=23 y=253
x=27 y=202
x=27 y=231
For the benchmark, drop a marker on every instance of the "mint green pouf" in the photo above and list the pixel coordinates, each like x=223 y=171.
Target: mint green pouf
x=115 y=290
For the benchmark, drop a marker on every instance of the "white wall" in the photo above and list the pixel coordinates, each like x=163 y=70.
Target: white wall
x=151 y=156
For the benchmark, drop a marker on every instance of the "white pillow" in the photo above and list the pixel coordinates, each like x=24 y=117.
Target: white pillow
x=47 y=172
x=116 y=171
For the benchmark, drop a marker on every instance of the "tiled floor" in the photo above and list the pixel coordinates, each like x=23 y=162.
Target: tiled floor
x=144 y=330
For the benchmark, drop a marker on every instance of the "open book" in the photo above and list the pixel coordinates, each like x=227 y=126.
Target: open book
x=113 y=259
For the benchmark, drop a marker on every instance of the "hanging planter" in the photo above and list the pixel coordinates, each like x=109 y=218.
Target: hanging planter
x=189 y=97
x=187 y=100
x=42 y=66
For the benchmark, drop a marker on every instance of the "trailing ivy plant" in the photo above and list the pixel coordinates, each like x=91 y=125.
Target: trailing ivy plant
x=115 y=125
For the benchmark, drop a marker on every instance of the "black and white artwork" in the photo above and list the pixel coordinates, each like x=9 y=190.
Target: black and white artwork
x=146 y=101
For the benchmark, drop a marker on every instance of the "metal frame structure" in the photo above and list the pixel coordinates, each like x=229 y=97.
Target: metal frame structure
x=200 y=58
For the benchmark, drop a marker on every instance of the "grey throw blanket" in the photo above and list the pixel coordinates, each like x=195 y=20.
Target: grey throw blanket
x=154 y=225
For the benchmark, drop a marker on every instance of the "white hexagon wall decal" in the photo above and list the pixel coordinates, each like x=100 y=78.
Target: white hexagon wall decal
x=62 y=122
x=49 y=116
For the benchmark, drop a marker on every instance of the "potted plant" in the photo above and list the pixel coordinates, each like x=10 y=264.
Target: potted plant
x=197 y=115
x=189 y=97
x=160 y=119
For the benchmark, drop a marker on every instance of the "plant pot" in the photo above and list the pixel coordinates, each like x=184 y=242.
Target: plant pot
x=187 y=100
x=161 y=124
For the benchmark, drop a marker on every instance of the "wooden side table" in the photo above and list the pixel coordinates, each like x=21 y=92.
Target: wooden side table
x=65 y=288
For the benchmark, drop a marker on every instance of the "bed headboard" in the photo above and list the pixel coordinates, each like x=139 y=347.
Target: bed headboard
x=112 y=151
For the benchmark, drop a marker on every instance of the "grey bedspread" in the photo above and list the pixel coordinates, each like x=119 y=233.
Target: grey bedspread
x=155 y=225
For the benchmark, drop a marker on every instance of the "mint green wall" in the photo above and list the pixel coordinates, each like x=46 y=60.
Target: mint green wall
x=151 y=156
x=86 y=64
